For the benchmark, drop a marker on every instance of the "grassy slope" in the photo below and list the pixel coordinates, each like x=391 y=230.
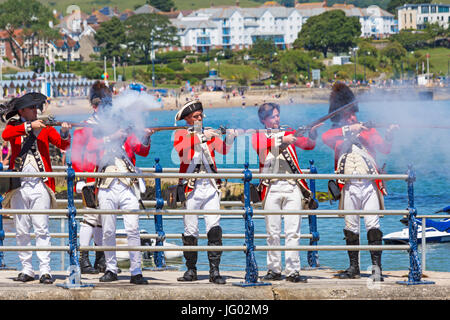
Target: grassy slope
x=88 y=5
x=439 y=59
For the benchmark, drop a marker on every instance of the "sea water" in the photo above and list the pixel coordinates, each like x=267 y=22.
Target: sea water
x=415 y=143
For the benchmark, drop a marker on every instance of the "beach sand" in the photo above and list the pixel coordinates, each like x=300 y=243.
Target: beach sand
x=66 y=106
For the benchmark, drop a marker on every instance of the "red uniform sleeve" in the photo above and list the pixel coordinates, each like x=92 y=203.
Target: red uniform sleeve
x=55 y=138
x=12 y=131
x=220 y=146
x=374 y=141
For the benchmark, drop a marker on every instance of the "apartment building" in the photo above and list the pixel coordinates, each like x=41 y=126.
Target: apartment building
x=238 y=28
x=416 y=16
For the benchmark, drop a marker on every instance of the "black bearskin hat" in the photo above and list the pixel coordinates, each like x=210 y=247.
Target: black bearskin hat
x=340 y=96
x=100 y=94
x=31 y=99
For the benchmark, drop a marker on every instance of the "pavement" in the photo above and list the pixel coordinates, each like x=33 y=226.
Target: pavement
x=322 y=285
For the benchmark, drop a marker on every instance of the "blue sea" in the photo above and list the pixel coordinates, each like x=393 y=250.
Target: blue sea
x=419 y=142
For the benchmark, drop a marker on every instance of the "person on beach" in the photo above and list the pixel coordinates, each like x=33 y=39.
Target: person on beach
x=196 y=148
x=6 y=153
x=355 y=148
x=84 y=161
x=117 y=149
x=30 y=139
x=277 y=154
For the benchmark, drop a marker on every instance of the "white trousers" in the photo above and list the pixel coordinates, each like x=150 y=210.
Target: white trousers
x=203 y=197
x=32 y=197
x=91 y=230
x=120 y=196
x=283 y=196
x=361 y=195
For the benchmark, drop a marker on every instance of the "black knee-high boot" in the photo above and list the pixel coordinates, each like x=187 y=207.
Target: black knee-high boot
x=191 y=259
x=375 y=238
x=215 y=239
x=85 y=264
x=351 y=239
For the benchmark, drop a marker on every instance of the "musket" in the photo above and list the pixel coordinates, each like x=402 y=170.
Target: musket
x=302 y=129
x=156 y=129
x=373 y=124
x=51 y=122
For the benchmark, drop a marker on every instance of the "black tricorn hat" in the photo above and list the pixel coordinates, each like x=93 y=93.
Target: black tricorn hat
x=31 y=99
x=187 y=109
x=341 y=95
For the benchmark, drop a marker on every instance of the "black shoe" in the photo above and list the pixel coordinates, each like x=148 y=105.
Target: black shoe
x=216 y=278
x=109 y=276
x=189 y=275
x=46 y=279
x=351 y=273
x=23 y=278
x=138 y=279
x=272 y=276
x=85 y=264
x=100 y=261
x=296 y=277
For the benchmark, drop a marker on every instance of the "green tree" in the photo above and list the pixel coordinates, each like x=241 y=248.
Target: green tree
x=409 y=40
x=150 y=30
x=394 y=51
x=29 y=15
x=163 y=5
x=263 y=51
x=110 y=36
x=331 y=30
x=295 y=64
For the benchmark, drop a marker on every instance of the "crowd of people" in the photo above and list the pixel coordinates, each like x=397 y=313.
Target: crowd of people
x=96 y=149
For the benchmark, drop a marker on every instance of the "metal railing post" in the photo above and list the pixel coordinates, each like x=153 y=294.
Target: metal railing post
x=2 y=237
x=251 y=268
x=158 y=256
x=74 y=280
x=415 y=272
x=313 y=256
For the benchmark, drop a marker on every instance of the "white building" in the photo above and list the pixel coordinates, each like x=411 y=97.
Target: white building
x=238 y=28
x=375 y=22
x=416 y=16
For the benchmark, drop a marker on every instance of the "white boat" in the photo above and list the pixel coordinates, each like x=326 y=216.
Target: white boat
x=435 y=232
x=121 y=240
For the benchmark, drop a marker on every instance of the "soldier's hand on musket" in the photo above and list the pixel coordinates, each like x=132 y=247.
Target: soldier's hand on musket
x=149 y=132
x=119 y=134
x=65 y=127
x=389 y=132
x=357 y=127
x=313 y=131
x=210 y=133
x=37 y=124
x=289 y=139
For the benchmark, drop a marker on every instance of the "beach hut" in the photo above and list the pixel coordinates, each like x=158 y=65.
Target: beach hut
x=213 y=81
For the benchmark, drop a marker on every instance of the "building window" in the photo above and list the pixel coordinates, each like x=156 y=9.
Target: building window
x=425 y=9
x=433 y=9
x=410 y=17
x=443 y=9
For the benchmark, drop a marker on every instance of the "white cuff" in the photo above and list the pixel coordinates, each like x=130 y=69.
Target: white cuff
x=80 y=185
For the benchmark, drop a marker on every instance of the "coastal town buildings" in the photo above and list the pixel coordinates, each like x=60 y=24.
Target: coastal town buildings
x=416 y=16
x=238 y=28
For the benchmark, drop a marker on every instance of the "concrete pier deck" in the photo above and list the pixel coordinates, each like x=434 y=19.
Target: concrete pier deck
x=322 y=285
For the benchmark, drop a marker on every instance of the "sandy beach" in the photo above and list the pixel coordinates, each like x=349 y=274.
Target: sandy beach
x=77 y=105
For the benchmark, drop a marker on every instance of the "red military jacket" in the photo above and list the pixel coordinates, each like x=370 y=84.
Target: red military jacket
x=96 y=148
x=184 y=144
x=15 y=130
x=82 y=159
x=370 y=139
x=263 y=145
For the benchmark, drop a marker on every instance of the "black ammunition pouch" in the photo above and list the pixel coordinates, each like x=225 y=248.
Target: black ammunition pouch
x=255 y=193
x=88 y=195
x=175 y=194
x=9 y=183
x=334 y=190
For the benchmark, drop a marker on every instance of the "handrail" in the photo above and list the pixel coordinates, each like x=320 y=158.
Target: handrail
x=246 y=175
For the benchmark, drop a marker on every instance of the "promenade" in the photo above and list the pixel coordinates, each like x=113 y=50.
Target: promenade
x=322 y=285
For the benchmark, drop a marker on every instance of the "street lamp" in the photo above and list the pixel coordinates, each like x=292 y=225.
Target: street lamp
x=354 y=55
